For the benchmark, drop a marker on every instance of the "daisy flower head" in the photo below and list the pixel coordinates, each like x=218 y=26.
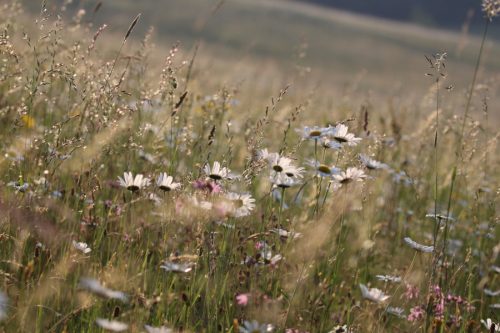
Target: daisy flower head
x=312 y=133
x=327 y=143
x=281 y=164
x=323 y=170
x=82 y=247
x=350 y=175
x=491 y=8
x=216 y=172
x=340 y=134
x=169 y=266
x=395 y=311
x=490 y=325
x=243 y=203
x=372 y=164
x=388 y=278
x=132 y=183
x=162 y=329
x=281 y=180
x=340 y=329
x=417 y=246
x=111 y=325
x=373 y=294
x=254 y=327
x=166 y=183
x=96 y=288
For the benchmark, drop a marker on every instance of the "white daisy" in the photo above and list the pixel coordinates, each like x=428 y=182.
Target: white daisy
x=373 y=294
x=82 y=247
x=243 y=203
x=340 y=329
x=95 y=287
x=286 y=234
x=162 y=329
x=490 y=325
x=254 y=327
x=166 y=183
x=217 y=172
x=327 y=143
x=340 y=134
x=440 y=217
x=111 y=325
x=322 y=169
x=491 y=293
x=388 y=278
x=398 y=312
x=176 y=268
x=372 y=164
x=132 y=183
x=312 y=133
x=350 y=175
x=283 y=181
x=4 y=301
x=417 y=246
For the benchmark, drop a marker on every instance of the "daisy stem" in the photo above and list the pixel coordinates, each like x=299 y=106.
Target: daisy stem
x=326 y=194
x=318 y=195
x=281 y=205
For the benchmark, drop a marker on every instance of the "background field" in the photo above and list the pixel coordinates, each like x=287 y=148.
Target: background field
x=363 y=184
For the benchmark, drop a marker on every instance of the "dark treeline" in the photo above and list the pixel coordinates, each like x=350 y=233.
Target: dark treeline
x=442 y=13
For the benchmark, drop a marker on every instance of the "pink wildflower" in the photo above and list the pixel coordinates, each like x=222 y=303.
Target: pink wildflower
x=416 y=313
x=242 y=299
x=412 y=292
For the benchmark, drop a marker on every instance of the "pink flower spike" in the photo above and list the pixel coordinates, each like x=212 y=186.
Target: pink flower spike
x=242 y=299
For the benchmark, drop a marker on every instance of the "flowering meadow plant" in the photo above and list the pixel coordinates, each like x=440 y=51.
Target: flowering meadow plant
x=159 y=196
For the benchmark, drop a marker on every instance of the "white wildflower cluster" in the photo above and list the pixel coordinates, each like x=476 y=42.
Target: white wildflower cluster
x=491 y=8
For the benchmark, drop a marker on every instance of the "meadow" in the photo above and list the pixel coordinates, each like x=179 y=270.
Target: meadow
x=220 y=182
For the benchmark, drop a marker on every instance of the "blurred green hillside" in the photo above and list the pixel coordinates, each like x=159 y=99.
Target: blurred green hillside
x=290 y=42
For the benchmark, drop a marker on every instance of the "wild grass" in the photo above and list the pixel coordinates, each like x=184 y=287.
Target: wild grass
x=288 y=210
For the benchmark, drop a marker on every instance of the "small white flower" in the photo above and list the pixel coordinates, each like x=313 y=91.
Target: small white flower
x=132 y=183
x=388 y=278
x=491 y=293
x=95 y=287
x=398 y=312
x=254 y=327
x=162 y=329
x=373 y=294
x=312 y=133
x=217 y=172
x=417 y=246
x=327 y=143
x=372 y=164
x=243 y=203
x=82 y=247
x=176 y=268
x=489 y=324
x=286 y=234
x=322 y=169
x=111 y=325
x=340 y=134
x=282 y=180
x=340 y=329
x=4 y=301
x=440 y=217
x=495 y=269
x=350 y=175
x=166 y=183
